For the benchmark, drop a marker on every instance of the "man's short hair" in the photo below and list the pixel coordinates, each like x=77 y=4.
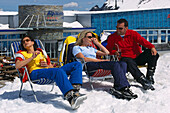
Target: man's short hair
x=123 y=21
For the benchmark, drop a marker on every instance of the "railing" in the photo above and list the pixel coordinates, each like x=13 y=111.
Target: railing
x=155 y=36
x=52 y=47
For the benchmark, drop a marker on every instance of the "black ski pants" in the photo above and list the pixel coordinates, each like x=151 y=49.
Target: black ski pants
x=142 y=59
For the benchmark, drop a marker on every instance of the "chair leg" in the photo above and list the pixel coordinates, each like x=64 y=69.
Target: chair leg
x=91 y=83
x=52 y=87
x=20 y=90
x=35 y=97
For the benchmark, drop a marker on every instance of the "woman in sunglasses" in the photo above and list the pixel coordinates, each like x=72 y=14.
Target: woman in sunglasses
x=31 y=56
x=118 y=69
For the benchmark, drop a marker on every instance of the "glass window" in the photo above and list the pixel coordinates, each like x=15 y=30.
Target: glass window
x=155 y=32
x=163 y=38
x=150 y=39
x=144 y=37
x=1 y=46
x=168 y=38
x=150 y=32
x=155 y=39
x=163 y=31
x=168 y=31
x=144 y=32
x=13 y=36
x=139 y=32
x=3 y=36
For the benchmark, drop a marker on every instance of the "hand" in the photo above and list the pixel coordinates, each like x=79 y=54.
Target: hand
x=95 y=41
x=117 y=53
x=153 y=51
x=35 y=53
x=43 y=64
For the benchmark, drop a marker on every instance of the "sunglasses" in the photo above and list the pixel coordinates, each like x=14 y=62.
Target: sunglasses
x=120 y=28
x=27 y=40
x=89 y=37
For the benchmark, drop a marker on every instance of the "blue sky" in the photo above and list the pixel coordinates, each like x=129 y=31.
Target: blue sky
x=12 y=5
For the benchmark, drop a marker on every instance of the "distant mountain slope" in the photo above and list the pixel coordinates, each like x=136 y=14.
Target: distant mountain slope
x=133 y=4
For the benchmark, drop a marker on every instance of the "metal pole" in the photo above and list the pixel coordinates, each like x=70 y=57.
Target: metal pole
x=24 y=21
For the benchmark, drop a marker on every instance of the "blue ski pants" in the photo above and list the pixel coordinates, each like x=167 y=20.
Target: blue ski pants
x=60 y=75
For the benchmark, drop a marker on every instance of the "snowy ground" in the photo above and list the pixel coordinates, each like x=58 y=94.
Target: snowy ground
x=98 y=100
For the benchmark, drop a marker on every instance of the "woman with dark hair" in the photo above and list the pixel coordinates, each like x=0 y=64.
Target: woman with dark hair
x=31 y=57
x=30 y=38
x=118 y=69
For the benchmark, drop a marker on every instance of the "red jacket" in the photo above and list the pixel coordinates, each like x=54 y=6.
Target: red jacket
x=129 y=45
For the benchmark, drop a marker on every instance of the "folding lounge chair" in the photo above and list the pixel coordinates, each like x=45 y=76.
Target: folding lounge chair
x=16 y=46
x=66 y=56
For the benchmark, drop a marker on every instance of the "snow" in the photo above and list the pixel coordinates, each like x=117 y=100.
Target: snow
x=127 y=5
x=8 y=13
x=74 y=24
x=69 y=13
x=98 y=100
x=4 y=26
x=137 y=4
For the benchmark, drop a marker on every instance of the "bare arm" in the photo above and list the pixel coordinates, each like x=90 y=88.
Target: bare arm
x=103 y=51
x=80 y=55
x=20 y=64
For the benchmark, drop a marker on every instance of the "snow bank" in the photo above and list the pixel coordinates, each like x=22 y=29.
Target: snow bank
x=4 y=26
x=74 y=24
x=98 y=100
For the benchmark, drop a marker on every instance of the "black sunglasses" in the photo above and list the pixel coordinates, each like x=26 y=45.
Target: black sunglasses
x=120 y=28
x=27 y=40
x=89 y=37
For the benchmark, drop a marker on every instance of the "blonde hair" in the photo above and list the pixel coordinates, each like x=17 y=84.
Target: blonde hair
x=83 y=34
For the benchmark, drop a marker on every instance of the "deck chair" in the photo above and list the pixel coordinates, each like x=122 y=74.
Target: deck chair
x=66 y=56
x=23 y=73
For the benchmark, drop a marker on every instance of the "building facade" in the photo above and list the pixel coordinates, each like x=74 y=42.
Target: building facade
x=45 y=22
x=137 y=19
x=152 y=24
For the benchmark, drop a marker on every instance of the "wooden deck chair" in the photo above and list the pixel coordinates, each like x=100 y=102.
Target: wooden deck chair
x=67 y=56
x=23 y=73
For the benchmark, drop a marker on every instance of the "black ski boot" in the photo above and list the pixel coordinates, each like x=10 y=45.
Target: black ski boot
x=74 y=99
x=149 y=75
x=145 y=83
x=124 y=93
x=128 y=93
x=77 y=89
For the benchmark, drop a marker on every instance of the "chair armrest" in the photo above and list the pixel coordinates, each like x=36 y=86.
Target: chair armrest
x=112 y=57
x=81 y=59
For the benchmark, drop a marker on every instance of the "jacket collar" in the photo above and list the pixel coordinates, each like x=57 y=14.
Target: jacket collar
x=126 y=34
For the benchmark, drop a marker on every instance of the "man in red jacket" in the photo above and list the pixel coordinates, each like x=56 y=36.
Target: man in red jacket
x=127 y=43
